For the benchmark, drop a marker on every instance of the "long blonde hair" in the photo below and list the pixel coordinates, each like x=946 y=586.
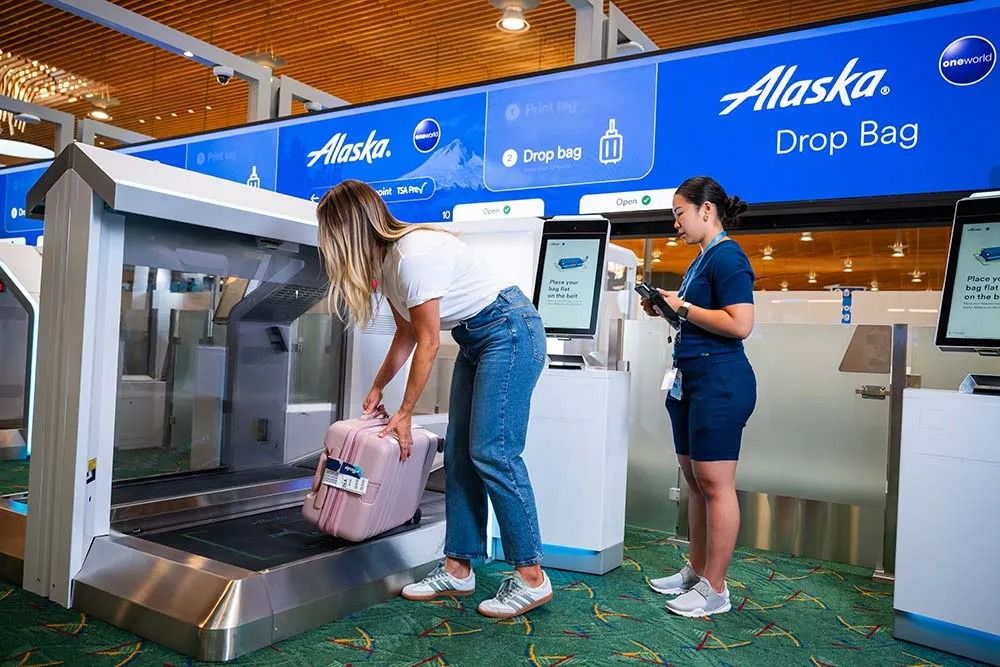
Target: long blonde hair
x=356 y=230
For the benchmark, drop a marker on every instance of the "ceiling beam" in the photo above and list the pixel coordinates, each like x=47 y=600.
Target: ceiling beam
x=260 y=97
x=290 y=89
x=88 y=130
x=620 y=24
x=64 y=122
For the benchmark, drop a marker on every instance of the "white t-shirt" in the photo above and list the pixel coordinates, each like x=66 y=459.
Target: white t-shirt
x=426 y=264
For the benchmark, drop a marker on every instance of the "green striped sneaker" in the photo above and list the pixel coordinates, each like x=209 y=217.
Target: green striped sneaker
x=516 y=597
x=438 y=583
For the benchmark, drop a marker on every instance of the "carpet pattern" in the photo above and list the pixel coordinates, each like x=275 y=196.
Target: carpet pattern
x=787 y=611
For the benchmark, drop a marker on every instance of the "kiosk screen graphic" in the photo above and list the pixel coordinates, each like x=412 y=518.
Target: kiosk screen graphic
x=571 y=275
x=970 y=312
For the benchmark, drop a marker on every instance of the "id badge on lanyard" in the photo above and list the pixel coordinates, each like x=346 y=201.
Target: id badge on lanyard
x=673 y=378
x=672 y=383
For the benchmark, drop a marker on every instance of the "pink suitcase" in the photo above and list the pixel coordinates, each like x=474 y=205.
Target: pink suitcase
x=394 y=487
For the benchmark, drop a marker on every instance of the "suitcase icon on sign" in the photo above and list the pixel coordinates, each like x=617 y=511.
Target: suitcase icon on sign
x=611 y=148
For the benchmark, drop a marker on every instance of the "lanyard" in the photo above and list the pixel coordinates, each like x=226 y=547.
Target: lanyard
x=689 y=276
x=693 y=270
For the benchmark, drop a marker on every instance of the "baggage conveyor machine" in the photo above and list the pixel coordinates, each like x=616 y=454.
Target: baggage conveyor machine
x=193 y=304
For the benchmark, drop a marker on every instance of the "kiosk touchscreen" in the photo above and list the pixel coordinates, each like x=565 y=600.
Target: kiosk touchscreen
x=969 y=317
x=570 y=276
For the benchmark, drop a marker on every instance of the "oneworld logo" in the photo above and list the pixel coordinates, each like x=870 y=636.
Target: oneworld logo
x=780 y=89
x=967 y=60
x=340 y=149
x=426 y=135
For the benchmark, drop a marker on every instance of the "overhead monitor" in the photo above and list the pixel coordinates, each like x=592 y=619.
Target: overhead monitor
x=570 y=276
x=969 y=317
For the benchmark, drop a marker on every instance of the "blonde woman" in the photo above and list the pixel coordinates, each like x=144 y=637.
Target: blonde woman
x=433 y=282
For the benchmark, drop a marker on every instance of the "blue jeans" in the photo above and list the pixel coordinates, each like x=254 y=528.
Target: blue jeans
x=501 y=356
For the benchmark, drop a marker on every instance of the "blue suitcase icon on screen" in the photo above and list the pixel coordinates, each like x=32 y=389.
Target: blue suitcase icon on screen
x=989 y=255
x=571 y=262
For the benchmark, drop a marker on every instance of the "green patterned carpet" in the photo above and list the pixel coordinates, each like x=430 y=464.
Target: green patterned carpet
x=788 y=611
x=13 y=477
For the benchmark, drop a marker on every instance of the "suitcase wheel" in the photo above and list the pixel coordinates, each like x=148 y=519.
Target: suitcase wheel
x=415 y=520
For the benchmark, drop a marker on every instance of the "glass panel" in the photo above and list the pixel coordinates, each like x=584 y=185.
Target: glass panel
x=14 y=344
x=317 y=352
x=219 y=337
x=811 y=436
x=652 y=465
x=943 y=370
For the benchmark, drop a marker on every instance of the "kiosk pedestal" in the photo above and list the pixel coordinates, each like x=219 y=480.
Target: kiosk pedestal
x=947 y=539
x=577 y=457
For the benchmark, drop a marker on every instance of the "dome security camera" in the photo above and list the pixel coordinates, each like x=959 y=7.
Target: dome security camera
x=223 y=74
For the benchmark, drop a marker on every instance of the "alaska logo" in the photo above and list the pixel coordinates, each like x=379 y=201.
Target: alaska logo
x=339 y=149
x=776 y=88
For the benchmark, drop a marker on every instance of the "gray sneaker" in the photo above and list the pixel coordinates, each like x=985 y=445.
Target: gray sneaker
x=700 y=601
x=675 y=584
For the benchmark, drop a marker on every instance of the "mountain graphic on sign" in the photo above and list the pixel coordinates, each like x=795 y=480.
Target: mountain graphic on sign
x=452 y=166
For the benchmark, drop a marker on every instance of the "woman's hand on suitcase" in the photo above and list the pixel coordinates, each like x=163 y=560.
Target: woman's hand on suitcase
x=373 y=403
x=400 y=425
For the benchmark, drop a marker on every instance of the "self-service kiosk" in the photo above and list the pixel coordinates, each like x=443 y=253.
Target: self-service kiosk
x=577 y=443
x=949 y=467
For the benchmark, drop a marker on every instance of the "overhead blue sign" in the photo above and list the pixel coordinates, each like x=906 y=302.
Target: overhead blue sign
x=903 y=104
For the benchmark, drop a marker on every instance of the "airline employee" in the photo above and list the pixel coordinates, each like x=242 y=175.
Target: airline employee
x=712 y=390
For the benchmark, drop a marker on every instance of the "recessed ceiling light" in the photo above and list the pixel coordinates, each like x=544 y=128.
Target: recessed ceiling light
x=672 y=242
x=23 y=149
x=173 y=114
x=157 y=118
x=874 y=285
x=100 y=114
x=208 y=107
x=784 y=285
x=142 y=122
x=768 y=251
x=897 y=249
x=812 y=277
x=848 y=265
x=806 y=236
x=190 y=110
x=917 y=276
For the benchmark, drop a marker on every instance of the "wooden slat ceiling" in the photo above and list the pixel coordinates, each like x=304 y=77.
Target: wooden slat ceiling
x=360 y=50
x=793 y=259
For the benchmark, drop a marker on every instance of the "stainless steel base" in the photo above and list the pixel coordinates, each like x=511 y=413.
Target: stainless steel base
x=214 y=611
x=815 y=529
x=13 y=528
x=12 y=445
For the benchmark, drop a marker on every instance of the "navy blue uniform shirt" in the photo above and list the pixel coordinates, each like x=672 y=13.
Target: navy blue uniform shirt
x=724 y=278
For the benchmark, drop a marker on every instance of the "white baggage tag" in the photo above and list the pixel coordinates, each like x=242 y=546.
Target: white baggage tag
x=355 y=485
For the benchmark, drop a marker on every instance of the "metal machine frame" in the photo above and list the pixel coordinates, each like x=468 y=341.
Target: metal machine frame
x=73 y=554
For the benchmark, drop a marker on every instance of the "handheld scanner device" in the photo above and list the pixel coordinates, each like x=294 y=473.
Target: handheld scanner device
x=647 y=291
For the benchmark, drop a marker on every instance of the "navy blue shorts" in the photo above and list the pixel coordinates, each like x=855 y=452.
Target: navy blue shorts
x=718 y=395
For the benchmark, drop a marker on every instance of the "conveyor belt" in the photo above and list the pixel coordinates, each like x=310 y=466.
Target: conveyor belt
x=262 y=541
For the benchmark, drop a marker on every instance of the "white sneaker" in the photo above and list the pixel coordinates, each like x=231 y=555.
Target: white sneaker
x=675 y=584
x=439 y=582
x=700 y=601
x=516 y=597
